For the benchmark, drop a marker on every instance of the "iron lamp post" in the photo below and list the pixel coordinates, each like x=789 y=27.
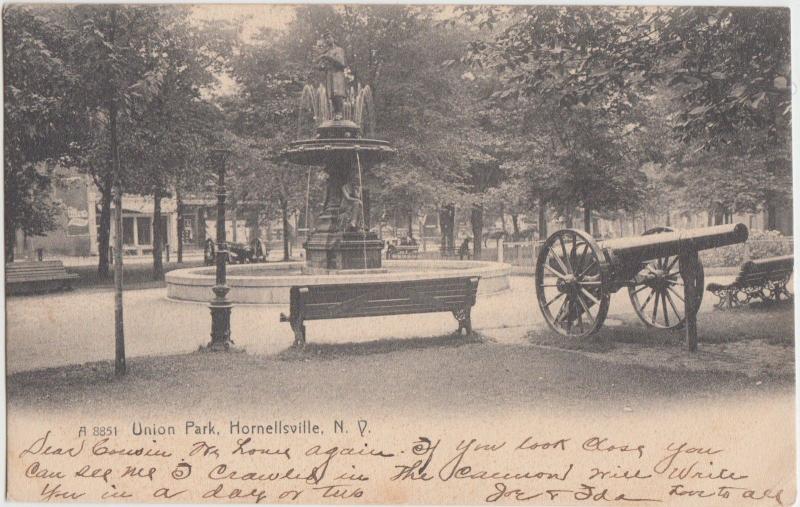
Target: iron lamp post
x=220 y=306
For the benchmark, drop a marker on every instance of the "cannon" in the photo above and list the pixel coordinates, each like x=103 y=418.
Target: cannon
x=238 y=253
x=575 y=276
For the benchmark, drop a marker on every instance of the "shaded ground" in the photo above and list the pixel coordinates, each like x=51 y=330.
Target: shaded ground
x=136 y=276
x=444 y=374
x=756 y=340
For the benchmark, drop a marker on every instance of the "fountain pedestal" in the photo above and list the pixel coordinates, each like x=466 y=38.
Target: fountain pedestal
x=329 y=252
x=333 y=246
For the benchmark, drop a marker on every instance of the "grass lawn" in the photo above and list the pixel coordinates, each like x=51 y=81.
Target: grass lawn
x=771 y=322
x=443 y=374
x=135 y=276
x=756 y=341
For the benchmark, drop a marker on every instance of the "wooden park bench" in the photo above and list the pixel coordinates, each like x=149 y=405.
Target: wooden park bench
x=402 y=251
x=371 y=299
x=763 y=279
x=32 y=277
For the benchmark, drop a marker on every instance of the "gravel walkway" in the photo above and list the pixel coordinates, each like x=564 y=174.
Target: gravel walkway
x=77 y=327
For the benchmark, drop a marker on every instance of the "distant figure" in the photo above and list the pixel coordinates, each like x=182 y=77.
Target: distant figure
x=463 y=250
x=333 y=63
x=209 y=252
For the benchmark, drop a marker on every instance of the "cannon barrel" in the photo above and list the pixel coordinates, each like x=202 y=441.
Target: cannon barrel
x=649 y=247
x=784 y=262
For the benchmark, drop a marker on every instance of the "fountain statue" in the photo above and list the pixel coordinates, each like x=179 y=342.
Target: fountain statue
x=333 y=63
x=341 y=117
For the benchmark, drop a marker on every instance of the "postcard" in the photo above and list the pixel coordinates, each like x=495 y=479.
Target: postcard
x=399 y=254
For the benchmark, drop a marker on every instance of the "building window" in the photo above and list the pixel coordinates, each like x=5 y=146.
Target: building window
x=127 y=230
x=143 y=230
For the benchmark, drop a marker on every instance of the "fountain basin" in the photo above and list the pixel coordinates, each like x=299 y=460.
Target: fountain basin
x=270 y=283
x=342 y=150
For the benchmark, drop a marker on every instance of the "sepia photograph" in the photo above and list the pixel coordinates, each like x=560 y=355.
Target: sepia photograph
x=399 y=254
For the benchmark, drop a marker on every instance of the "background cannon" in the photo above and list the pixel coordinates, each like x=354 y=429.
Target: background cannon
x=238 y=253
x=575 y=275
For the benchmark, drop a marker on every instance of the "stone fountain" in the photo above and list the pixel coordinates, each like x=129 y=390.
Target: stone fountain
x=340 y=240
x=336 y=132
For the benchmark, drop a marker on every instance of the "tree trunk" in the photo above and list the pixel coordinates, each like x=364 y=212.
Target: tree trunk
x=410 y=223
x=515 y=224
x=119 y=329
x=11 y=242
x=104 y=234
x=587 y=219
x=542 y=218
x=771 y=221
x=476 y=220
x=201 y=227
x=451 y=227
x=253 y=226
x=285 y=217
x=443 y=228
x=503 y=217
x=568 y=218
x=158 y=265
x=179 y=209
x=668 y=221
x=235 y=239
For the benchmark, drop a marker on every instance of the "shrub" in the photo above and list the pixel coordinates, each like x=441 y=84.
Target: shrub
x=760 y=244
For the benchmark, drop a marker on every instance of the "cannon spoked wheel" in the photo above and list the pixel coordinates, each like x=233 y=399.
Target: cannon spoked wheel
x=571 y=283
x=657 y=292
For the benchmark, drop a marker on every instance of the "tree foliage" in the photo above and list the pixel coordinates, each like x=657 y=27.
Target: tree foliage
x=38 y=115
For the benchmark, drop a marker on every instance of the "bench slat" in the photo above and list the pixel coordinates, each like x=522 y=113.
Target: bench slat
x=383 y=294
x=394 y=284
x=389 y=299
x=342 y=291
x=35 y=271
x=385 y=305
x=387 y=312
x=64 y=276
x=37 y=275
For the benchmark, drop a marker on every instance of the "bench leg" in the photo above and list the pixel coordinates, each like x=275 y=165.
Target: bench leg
x=299 y=334
x=779 y=292
x=728 y=299
x=720 y=304
x=464 y=320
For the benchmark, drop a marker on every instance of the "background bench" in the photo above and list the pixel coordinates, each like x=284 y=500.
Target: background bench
x=33 y=277
x=316 y=302
x=763 y=279
x=402 y=251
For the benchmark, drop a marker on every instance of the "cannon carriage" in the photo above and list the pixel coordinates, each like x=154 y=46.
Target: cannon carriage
x=576 y=275
x=237 y=253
